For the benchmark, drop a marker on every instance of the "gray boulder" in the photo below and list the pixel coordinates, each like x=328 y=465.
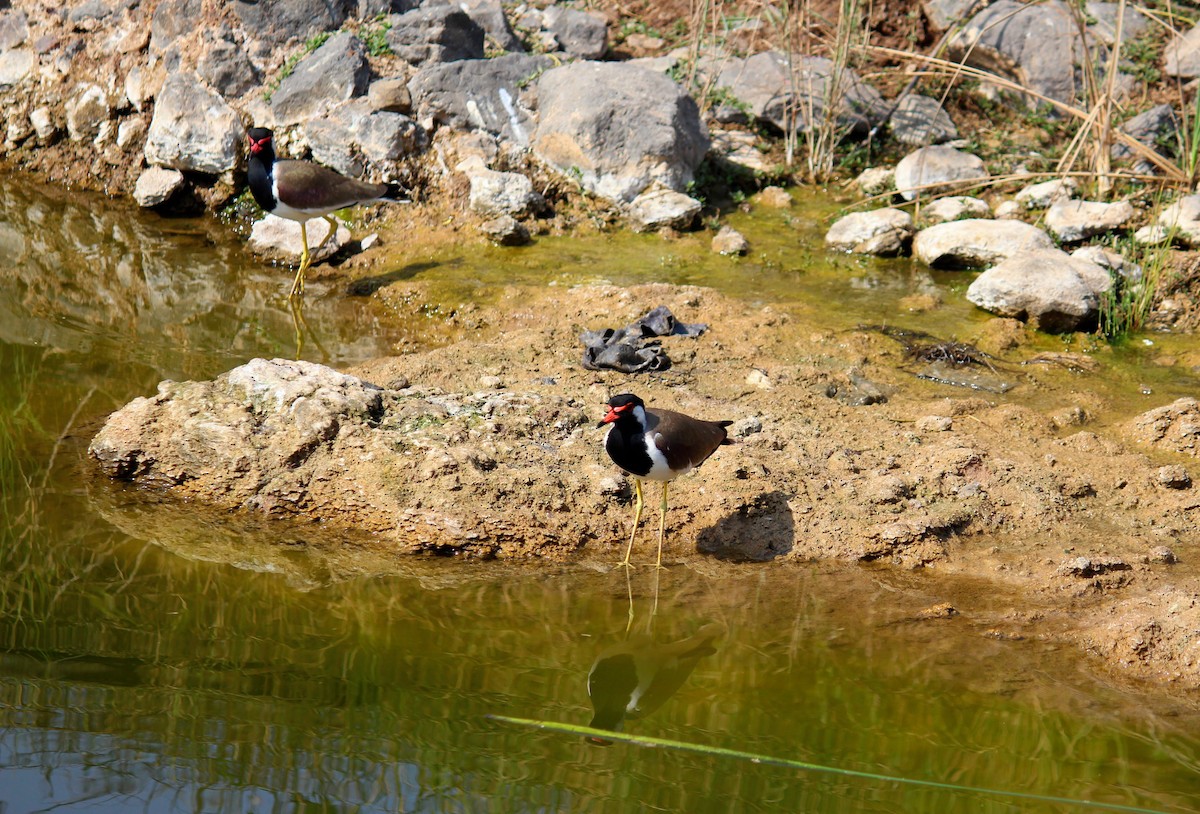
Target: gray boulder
x=1104 y=23
x=920 y=120
x=1036 y=45
x=437 y=33
x=582 y=34
x=489 y=15
x=1048 y=287
x=333 y=73
x=935 y=169
x=1072 y=221
x=279 y=21
x=223 y=65
x=358 y=141
x=885 y=232
x=193 y=128
x=1153 y=127
x=945 y=13
x=763 y=84
x=618 y=128
x=976 y=242
x=480 y=94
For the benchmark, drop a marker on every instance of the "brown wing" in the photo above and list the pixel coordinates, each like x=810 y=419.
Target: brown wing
x=305 y=185
x=685 y=441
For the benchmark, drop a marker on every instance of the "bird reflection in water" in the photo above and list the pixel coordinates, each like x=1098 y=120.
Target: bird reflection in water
x=633 y=678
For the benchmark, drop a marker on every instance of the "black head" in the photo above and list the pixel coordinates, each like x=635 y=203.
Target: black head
x=260 y=141
x=621 y=406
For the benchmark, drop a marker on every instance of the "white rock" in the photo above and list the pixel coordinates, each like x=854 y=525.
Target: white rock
x=1047 y=286
x=155 y=185
x=275 y=236
x=976 y=242
x=955 y=207
x=930 y=170
x=879 y=232
x=1040 y=196
x=1072 y=221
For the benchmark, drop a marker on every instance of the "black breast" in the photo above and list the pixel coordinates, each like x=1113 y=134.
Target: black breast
x=626 y=445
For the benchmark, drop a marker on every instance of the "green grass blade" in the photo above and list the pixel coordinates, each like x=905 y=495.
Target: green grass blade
x=718 y=751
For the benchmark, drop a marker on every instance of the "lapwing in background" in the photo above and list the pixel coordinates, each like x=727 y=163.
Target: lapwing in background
x=301 y=190
x=657 y=445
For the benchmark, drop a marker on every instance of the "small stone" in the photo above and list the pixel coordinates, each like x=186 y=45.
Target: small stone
x=505 y=231
x=759 y=378
x=876 y=180
x=935 y=423
x=746 y=426
x=610 y=486
x=43 y=124
x=491 y=382
x=775 y=197
x=1173 y=476
x=156 y=185
x=1164 y=555
x=391 y=95
x=1008 y=210
x=130 y=133
x=729 y=241
x=942 y=610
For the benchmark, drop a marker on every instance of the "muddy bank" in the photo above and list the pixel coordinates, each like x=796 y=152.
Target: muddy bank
x=1076 y=528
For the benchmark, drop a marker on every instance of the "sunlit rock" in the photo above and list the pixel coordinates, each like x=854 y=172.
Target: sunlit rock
x=279 y=237
x=881 y=232
x=1047 y=193
x=193 y=128
x=333 y=73
x=1072 y=221
x=977 y=242
x=658 y=208
x=935 y=169
x=156 y=185
x=617 y=129
x=954 y=207
x=1047 y=287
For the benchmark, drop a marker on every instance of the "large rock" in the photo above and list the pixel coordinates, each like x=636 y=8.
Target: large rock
x=880 y=232
x=333 y=73
x=193 y=128
x=797 y=100
x=1047 y=287
x=279 y=238
x=359 y=141
x=14 y=28
x=156 y=185
x=480 y=94
x=582 y=34
x=240 y=434
x=975 y=242
x=501 y=193
x=437 y=33
x=1036 y=45
x=224 y=66
x=1072 y=221
x=171 y=20
x=618 y=128
x=934 y=169
x=278 y=21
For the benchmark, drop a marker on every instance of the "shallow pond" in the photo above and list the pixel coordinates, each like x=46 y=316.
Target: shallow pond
x=145 y=665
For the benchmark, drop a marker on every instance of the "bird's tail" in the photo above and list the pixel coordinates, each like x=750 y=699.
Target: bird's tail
x=727 y=439
x=396 y=193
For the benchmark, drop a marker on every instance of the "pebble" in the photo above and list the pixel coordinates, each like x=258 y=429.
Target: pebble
x=1173 y=476
x=935 y=423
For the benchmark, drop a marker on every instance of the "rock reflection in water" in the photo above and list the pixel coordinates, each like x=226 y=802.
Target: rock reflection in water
x=81 y=272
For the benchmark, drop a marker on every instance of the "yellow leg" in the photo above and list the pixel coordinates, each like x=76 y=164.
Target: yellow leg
x=298 y=283
x=662 y=523
x=637 y=518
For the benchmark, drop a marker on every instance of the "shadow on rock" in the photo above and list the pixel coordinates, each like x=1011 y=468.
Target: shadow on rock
x=760 y=530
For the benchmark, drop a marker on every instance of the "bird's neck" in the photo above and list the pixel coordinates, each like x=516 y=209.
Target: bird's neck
x=258 y=176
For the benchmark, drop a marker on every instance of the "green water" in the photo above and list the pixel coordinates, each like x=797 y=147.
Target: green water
x=157 y=657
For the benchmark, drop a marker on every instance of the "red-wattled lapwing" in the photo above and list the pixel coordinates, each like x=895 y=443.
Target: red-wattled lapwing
x=300 y=190
x=657 y=445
